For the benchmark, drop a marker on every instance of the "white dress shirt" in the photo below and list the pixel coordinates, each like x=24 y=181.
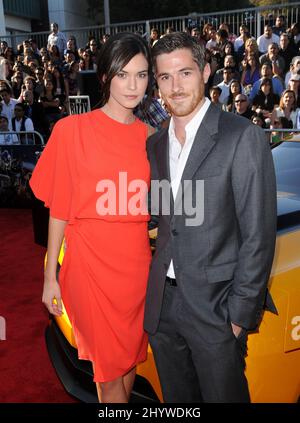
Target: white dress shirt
x=8 y=110
x=263 y=42
x=178 y=155
x=28 y=125
x=9 y=139
x=58 y=40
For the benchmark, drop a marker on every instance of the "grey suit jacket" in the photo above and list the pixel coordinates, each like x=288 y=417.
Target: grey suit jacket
x=222 y=266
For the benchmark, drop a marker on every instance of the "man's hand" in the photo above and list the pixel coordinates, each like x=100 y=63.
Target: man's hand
x=236 y=329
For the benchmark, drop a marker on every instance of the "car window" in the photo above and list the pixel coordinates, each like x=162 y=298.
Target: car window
x=286 y=158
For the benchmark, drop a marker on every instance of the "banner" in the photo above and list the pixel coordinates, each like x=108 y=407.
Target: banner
x=79 y=104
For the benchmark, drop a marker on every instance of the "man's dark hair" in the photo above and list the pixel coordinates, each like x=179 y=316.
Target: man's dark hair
x=5 y=90
x=179 y=41
x=268 y=64
x=215 y=88
x=21 y=106
x=115 y=54
x=228 y=68
x=222 y=33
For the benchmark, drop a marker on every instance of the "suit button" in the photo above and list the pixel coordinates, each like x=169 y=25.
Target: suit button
x=174 y=232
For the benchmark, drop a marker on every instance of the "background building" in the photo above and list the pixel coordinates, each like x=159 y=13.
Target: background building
x=17 y=16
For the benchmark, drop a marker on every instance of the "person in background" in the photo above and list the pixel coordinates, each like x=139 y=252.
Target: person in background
x=240 y=41
x=250 y=73
x=265 y=100
x=8 y=103
x=274 y=59
x=280 y=123
x=16 y=84
x=7 y=139
x=294 y=85
x=258 y=119
x=71 y=81
x=72 y=46
x=231 y=37
x=69 y=58
x=57 y=38
x=214 y=94
x=287 y=51
x=224 y=85
x=235 y=88
x=154 y=114
x=242 y=106
x=86 y=63
x=22 y=123
x=35 y=111
x=266 y=72
x=294 y=33
x=229 y=61
x=266 y=39
x=35 y=49
x=279 y=26
x=50 y=101
x=287 y=108
x=251 y=49
x=94 y=52
x=39 y=81
x=294 y=69
x=154 y=36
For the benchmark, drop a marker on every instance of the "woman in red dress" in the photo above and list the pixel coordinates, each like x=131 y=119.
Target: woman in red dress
x=94 y=176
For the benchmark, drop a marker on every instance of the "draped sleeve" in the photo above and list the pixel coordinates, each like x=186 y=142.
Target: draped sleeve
x=51 y=180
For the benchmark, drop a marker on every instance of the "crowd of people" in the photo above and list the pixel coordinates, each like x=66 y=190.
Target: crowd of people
x=255 y=78
x=36 y=81
x=258 y=79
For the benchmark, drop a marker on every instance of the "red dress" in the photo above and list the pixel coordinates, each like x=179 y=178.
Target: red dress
x=105 y=268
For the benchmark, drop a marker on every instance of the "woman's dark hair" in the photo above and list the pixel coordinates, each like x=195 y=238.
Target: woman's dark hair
x=259 y=116
x=61 y=78
x=230 y=97
x=178 y=41
x=285 y=122
x=265 y=81
x=115 y=54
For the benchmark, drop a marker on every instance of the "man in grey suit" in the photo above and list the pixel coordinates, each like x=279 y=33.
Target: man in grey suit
x=208 y=278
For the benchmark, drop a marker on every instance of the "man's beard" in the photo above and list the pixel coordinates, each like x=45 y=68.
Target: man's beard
x=185 y=108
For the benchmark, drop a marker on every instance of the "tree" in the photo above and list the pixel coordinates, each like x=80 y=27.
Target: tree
x=258 y=3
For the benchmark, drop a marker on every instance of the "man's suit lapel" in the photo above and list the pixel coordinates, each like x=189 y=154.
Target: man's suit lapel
x=163 y=162
x=205 y=140
x=162 y=155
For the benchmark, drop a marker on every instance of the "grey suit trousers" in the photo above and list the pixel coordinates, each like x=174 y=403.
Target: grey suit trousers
x=192 y=369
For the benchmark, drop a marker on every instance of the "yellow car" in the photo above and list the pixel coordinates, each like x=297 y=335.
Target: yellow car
x=273 y=361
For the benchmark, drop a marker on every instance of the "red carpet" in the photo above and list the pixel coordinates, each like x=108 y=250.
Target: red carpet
x=26 y=373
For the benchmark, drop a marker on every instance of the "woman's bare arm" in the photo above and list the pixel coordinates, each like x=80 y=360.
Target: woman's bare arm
x=51 y=287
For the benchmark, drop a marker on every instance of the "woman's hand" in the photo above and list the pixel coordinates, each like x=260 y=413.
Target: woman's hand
x=52 y=296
